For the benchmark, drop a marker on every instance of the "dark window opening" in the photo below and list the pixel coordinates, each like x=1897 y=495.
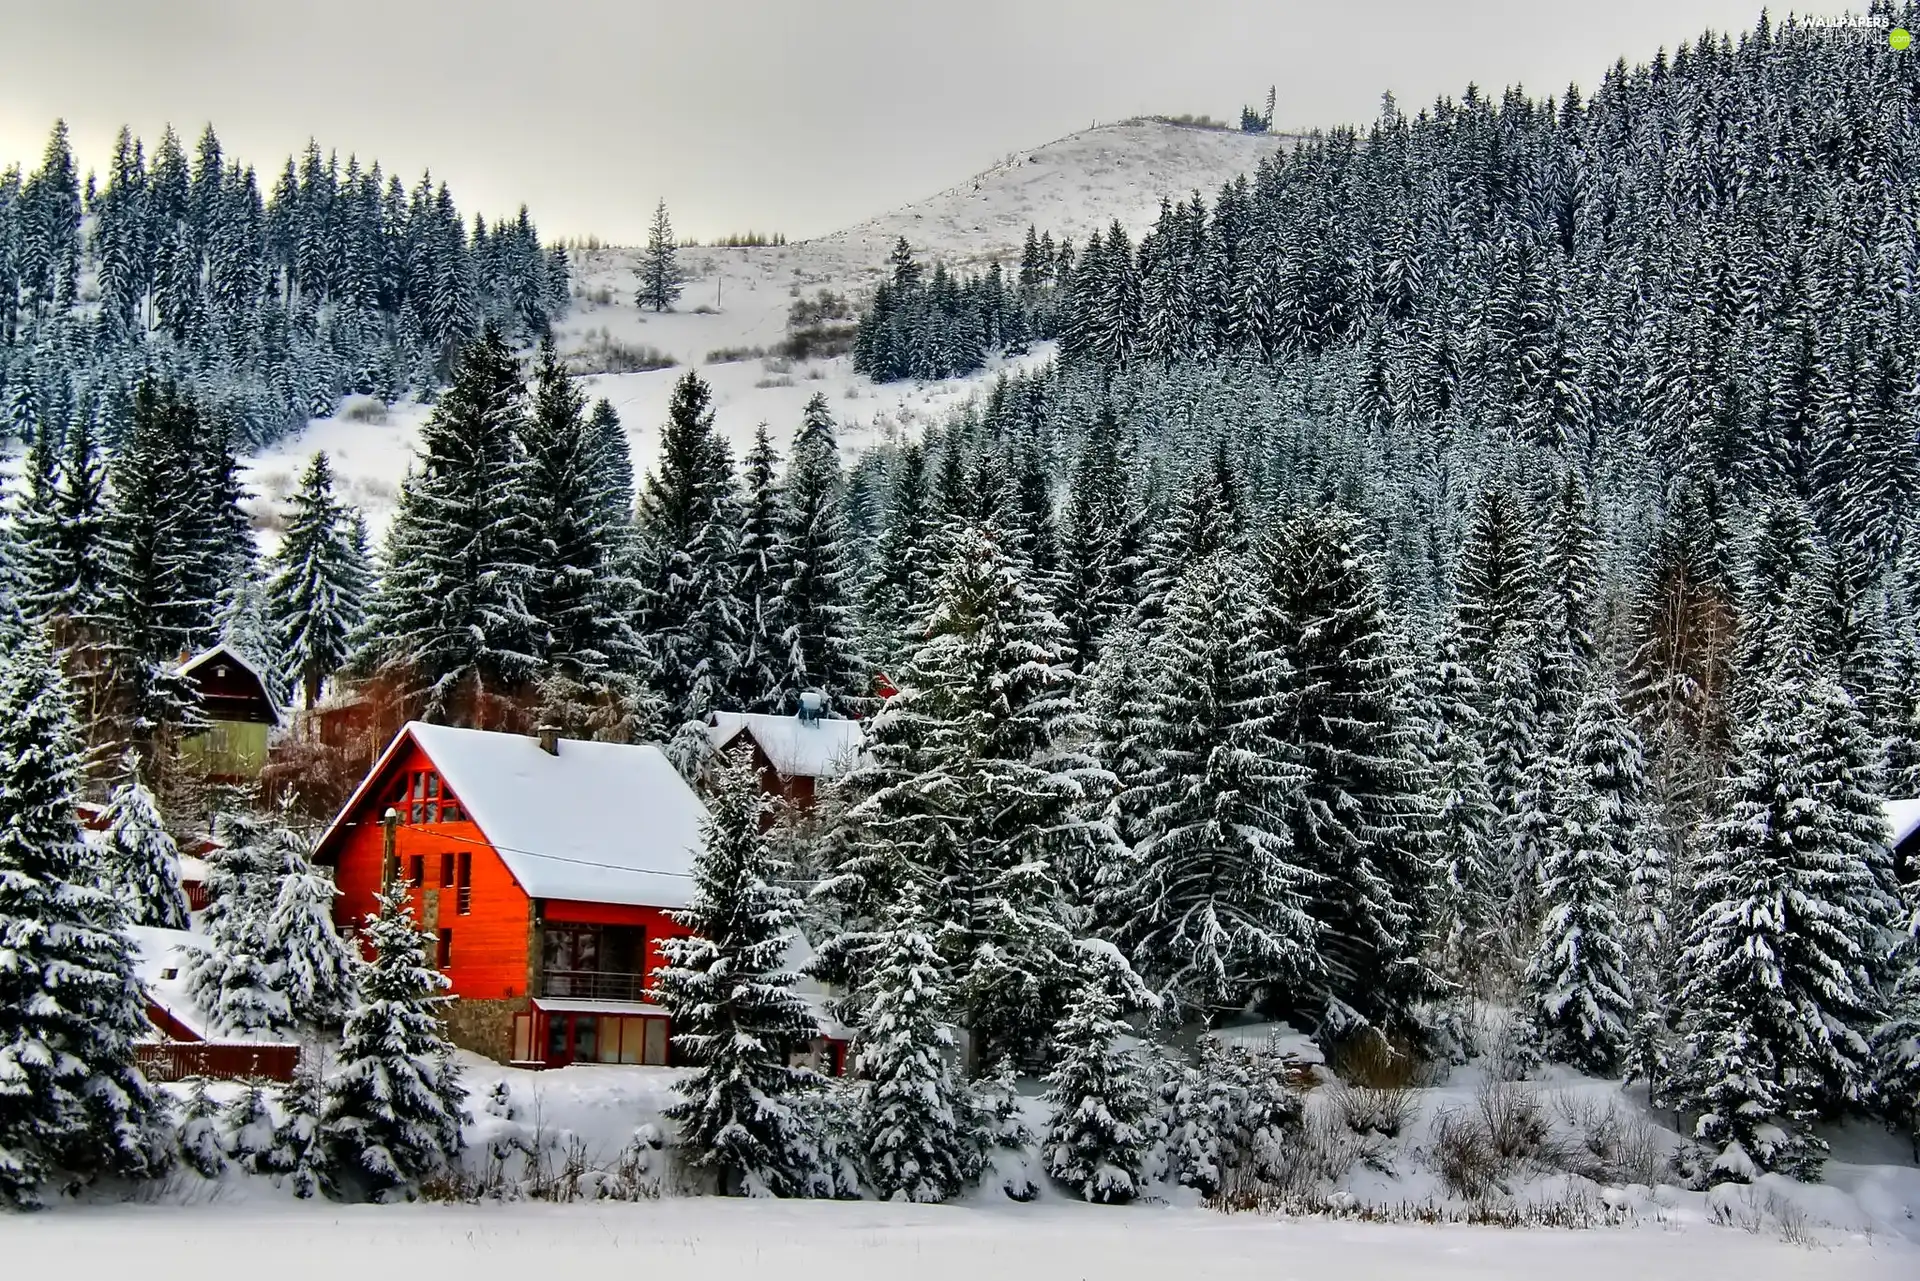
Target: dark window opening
x=594 y=962
x=464 y=883
x=446 y=871
x=417 y=870
x=443 y=954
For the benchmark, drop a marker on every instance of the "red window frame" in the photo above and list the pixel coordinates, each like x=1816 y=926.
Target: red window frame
x=425 y=798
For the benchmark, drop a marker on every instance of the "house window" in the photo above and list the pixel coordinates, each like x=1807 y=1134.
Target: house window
x=604 y=1038
x=446 y=871
x=464 y=883
x=594 y=962
x=443 y=955
x=425 y=799
x=417 y=870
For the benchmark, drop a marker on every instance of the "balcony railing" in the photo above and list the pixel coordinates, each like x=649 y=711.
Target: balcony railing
x=593 y=985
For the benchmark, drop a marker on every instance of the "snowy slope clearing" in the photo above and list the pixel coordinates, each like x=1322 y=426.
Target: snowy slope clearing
x=736 y=300
x=740 y=1240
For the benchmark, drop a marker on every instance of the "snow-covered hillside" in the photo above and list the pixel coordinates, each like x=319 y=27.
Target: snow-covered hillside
x=737 y=300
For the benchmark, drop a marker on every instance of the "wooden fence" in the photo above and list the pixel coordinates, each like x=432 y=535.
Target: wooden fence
x=217 y=1060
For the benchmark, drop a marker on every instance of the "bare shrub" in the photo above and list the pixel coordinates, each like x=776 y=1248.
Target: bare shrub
x=1375 y=1091
x=1611 y=1144
x=362 y=409
x=601 y=353
x=733 y=355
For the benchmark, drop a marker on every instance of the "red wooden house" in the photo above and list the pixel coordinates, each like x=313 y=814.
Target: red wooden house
x=547 y=871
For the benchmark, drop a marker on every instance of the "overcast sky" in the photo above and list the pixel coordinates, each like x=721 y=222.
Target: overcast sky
x=792 y=115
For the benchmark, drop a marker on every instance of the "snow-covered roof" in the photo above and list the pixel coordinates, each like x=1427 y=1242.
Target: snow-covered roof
x=160 y=963
x=594 y=822
x=193 y=869
x=234 y=656
x=821 y=748
x=1904 y=818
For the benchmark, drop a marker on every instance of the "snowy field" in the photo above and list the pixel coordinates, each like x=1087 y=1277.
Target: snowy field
x=738 y=299
x=721 y=1240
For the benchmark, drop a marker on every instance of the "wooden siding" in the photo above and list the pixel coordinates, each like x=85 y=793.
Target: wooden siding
x=216 y=1060
x=490 y=942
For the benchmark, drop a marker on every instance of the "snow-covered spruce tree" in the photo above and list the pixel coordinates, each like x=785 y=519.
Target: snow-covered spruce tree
x=735 y=1015
x=976 y=793
x=580 y=596
x=1497 y=584
x=1569 y=590
x=913 y=1113
x=1579 y=993
x=761 y=577
x=236 y=980
x=317 y=594
x=818 y=650
x=1896 y=1043
x=1774 y=985
x=1212 y=905
x=1464 y=820
x=313 y=966
x=659 y=274
x=393 y=1109
x=450 y=619
x=1362 y=828
x=143 y=860
x=249 y=1125
x=72 y=1103
x=1095 y=588
x=901 y=585
x=1101 y=1096
x=297 y=1153
x=689 y=614
x=201 y=1145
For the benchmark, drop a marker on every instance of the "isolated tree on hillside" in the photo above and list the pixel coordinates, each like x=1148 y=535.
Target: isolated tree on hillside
x=144 y=861
x=659 y=268
x=736 y=1017
x=72 y=1103
x=394 y=1108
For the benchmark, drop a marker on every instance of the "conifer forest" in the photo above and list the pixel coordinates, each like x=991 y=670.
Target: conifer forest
x=1469 y=562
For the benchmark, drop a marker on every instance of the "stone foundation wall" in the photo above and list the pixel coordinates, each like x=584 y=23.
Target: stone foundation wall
x=485 y=1027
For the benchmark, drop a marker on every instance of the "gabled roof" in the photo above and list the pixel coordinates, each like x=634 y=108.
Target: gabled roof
x=598 y=822
x=234 y=656
x=1904 y=818
x=798 y=749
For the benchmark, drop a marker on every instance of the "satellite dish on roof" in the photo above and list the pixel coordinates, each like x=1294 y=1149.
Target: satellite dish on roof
x=813 y=702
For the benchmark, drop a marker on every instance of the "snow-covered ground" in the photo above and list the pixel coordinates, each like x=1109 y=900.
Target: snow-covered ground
x=739 y=299
x=733 y=1241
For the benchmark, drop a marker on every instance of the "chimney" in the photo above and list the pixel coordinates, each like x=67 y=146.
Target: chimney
x=549 y=738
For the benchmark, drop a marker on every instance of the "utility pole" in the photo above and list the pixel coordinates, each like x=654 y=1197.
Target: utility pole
x=389 y=861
